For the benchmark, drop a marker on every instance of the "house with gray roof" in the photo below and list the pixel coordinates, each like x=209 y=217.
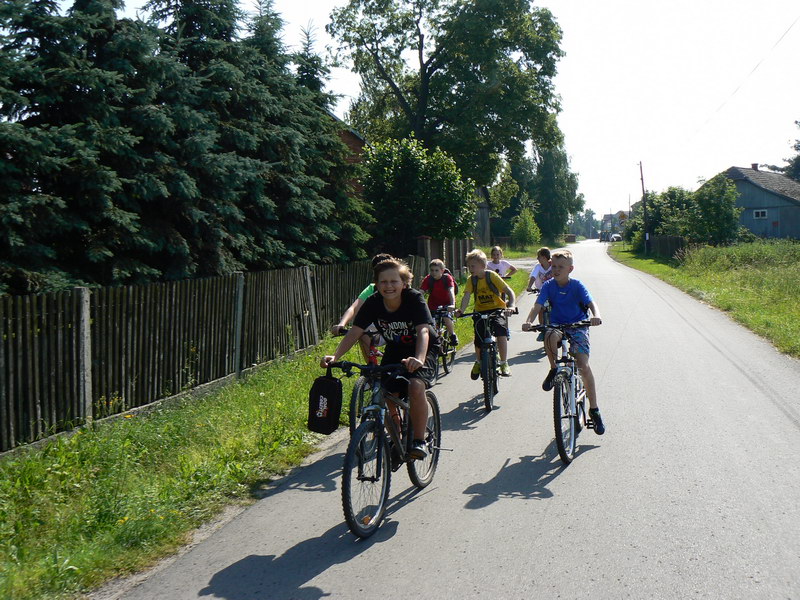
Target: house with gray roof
x=770 y=202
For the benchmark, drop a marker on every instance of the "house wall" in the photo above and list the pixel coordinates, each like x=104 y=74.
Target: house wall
x=783 y=216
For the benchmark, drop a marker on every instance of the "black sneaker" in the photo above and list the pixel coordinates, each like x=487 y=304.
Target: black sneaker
x=395 y=458
x=547 y=384
x=418 y=450
x=454 y=340
x=597 y=420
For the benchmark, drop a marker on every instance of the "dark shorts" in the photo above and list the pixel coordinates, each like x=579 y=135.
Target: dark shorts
x=498 y=324
x=578 y=340
x=426 y=372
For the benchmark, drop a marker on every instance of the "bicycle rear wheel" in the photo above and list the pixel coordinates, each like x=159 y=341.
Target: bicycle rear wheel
x=565 y=422
x=366 y=478
x=360 y=398
x=421 y=471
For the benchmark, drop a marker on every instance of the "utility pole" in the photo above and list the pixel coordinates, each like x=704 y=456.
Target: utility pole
x=644 y=208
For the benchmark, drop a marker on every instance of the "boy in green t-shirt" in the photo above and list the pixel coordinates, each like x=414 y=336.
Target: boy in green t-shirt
x=488 y=297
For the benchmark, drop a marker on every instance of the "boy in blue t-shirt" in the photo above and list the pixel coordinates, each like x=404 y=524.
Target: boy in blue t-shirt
x=569 y=303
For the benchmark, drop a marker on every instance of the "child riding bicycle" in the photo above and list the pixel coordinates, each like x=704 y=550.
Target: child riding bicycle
x=570 y=302
x=403 y=319
x=440 y=289
x=488 y=288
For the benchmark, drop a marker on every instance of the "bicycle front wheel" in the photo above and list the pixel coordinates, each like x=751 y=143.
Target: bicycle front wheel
x=564 y=419
x=359 y=399
x=421 y=471
x=489 y=374
x=365 y=479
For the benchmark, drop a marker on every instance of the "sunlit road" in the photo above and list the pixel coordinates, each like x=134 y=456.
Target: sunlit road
x=693 y=492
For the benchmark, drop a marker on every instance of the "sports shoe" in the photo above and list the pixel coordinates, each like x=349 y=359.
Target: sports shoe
x=505 y=370
x=547 y=384
x=594 y=415
x=454 y=340
x=395 y=458
x=476 y=371
x=418 y=450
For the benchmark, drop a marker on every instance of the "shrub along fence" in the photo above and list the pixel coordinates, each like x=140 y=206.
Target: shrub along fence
x=70 y=357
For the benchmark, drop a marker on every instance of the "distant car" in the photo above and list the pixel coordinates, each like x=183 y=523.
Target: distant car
x=616 y=237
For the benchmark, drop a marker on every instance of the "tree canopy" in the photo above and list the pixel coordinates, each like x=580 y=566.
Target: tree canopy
x=138 y=151
x=472 y=77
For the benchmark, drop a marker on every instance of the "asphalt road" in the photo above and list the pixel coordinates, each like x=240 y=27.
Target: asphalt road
x=693 y=492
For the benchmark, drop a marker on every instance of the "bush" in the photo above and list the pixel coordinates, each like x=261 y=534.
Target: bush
x=525 y=231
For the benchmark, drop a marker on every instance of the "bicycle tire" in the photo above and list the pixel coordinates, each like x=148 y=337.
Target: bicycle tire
x=448 y=356
x=365 y=483
x=360 y=398
x=421 y=472
x=564 y=423
x=489 y=376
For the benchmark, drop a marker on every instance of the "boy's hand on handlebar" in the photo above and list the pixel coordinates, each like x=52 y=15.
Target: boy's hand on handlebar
x=595 y=321
x=326 y=360
x=337 y=329
x=526 y=327
x=458 y=312
x=412 y=363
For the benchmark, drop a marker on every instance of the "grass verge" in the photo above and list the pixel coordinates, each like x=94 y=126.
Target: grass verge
x=112 y=499
x=757 y=284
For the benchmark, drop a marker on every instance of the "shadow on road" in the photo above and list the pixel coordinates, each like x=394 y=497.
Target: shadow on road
x=466 y=415
x=284 y=576
x=527 y=479
x=320 y=476
x=528 y=356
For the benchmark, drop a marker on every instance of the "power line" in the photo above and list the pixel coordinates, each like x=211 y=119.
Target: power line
x=753 y=70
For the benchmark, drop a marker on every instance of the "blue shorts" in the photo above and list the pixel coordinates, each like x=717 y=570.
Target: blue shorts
x=579 y=340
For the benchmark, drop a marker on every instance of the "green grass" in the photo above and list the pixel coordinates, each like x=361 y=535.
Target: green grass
x=757 y=284
x=112 y=499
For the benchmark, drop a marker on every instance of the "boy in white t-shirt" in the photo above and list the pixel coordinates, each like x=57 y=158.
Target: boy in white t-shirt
x=541 y=273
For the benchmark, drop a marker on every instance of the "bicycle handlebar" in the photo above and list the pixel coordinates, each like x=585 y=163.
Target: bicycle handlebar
x=347 y=367
x=514 y=311
x=586 y=323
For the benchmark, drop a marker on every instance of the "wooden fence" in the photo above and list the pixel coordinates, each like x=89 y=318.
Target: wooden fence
x=69 y=357
x=667 y=245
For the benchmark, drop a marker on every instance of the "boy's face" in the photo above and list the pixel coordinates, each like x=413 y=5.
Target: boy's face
x=561 y=269
x=496 y=256
x=389 y=284
x=476 y=267
x=436 y=272
x=544 y=261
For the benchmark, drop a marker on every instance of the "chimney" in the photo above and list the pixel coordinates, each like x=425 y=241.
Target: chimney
x=754 y=166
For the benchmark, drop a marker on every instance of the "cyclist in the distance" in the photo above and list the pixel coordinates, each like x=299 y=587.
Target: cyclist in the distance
x=440 y=289
x=570 y=302
x=403 y=319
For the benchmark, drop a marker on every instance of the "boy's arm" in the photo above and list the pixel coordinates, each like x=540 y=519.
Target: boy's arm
x=531 y=316
x=511 y=270
x=512 y=299
x=348 y=316
x=531 y=281
x=596 y=318
x=452 y=296
x=464 y=302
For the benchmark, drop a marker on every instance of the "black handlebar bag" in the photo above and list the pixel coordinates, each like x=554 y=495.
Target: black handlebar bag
x=325 y=404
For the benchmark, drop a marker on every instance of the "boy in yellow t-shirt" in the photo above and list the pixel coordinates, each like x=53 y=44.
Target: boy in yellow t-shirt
x=488 y=297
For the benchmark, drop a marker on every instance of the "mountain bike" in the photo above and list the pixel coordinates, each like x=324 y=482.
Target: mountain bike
x=364 y=387
x=380 y=446
x=448 y=349
x=569 y=395
x=489 y=362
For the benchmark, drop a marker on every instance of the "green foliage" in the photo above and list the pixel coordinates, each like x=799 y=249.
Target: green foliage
x=504 y=190
x=142 y=151
x=554 y=189
x=413 y=192
x=473 y=78
x=525 y=231
x=584 y=224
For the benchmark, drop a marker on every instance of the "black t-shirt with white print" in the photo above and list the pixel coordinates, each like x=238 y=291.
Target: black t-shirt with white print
x=398 y=328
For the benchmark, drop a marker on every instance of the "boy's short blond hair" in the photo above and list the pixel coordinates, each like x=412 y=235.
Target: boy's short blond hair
x=566 y=254
x=477 y=255
x=406 y=276
x=543 y=251
x=436 y=262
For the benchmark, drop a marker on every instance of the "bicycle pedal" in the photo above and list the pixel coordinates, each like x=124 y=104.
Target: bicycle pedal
x=444 y=449
x=589 y=424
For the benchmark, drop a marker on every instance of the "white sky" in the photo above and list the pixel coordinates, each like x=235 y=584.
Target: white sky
x=671 y=84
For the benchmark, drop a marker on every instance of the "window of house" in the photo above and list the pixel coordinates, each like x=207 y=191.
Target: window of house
x=760 y=214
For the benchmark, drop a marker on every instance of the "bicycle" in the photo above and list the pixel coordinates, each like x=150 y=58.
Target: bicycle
x=448 y=349
x=379 y=447
x=364 y=387
x=569 y=395
x=489 y=364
